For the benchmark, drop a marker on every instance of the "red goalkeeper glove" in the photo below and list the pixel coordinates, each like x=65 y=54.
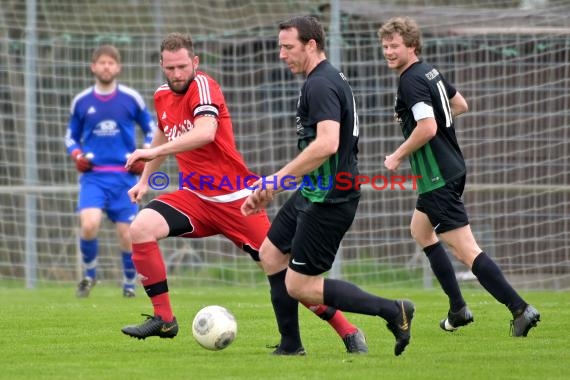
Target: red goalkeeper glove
x=82 y=163
x=137 y=167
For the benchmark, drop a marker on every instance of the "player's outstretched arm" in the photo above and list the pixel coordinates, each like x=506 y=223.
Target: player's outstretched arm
x=258 y=199
x=148 y=155
x=204 y=132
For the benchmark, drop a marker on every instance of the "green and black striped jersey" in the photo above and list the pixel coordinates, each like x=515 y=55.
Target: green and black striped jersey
x=326 y=95
x=440 y=160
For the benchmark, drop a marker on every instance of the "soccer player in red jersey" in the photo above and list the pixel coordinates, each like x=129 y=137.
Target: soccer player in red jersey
x=195 y=126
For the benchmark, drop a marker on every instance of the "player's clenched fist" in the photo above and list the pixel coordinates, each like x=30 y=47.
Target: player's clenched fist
x=82 y=162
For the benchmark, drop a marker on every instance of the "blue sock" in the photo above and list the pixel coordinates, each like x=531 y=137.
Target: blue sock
x=129 y=271
x=89 y=249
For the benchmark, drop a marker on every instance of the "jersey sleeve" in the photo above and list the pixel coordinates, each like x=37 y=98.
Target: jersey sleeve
x=323 y=100
x=158 y=107
x=147 y=125
x=208 y=100
x=414 y=90
x=451 y=91
x=141 y=114
x=74 y=130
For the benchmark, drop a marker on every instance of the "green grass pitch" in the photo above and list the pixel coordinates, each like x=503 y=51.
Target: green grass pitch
x=47 y=333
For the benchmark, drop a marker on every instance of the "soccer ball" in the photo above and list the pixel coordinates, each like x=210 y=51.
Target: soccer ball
x=214 y=327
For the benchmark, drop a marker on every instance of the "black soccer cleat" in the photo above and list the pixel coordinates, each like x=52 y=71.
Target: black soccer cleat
x=153 y=326
x=355 y=343
x=455 y=320
x=401 y=326
x=279 y=351
x=521 y=324
x=129 y=293
x=84 y=287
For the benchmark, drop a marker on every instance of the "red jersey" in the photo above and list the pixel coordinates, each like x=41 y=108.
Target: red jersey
x=215 y=171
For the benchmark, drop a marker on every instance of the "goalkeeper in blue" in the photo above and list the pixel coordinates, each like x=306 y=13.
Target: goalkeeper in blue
x=100 y=136
x=426 y=107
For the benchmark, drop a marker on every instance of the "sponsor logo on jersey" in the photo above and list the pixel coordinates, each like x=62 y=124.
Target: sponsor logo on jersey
x=106 y=128
x=174 y=131
x=432 y=74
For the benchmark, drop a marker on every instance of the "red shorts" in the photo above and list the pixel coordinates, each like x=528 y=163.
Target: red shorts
x=213 y=218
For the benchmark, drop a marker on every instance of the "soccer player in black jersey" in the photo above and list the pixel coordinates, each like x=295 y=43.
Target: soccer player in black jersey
x=304 y=237
x=426 y=105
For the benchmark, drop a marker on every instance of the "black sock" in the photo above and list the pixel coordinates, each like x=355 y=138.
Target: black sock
x=286 y=311
x=348 y=297
x=492 y=279
x=443 y=271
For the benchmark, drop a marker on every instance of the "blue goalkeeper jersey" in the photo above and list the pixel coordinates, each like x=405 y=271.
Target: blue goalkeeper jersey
x=104 y=125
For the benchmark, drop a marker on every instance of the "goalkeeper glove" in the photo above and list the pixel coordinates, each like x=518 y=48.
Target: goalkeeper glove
x=82 y=163
x=137 y=167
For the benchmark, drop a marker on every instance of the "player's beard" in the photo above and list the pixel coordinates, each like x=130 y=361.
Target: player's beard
x=178 y=88
x=105 y=78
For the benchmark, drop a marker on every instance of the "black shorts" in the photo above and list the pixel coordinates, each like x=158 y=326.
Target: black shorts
x=444 y=206
x=311 y=232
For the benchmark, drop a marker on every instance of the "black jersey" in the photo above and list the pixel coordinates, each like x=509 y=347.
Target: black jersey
x=326 y=95
x=440 y=160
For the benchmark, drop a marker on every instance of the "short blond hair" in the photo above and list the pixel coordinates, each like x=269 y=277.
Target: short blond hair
x=405 y=27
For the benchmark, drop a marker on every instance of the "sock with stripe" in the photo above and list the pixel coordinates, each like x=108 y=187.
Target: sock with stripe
x=148 y=262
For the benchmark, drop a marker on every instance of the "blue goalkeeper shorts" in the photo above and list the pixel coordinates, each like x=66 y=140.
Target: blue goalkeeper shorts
x=108 y=192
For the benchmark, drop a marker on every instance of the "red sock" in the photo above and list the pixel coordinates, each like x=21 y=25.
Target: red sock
x=335 y=318
x=149 y=264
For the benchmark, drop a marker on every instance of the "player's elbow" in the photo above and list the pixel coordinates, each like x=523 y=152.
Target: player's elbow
x=459 y=105
x=461 y=108
x=327 y=145
x=210 y=137
x=431 y=131
x=427 y=128
x=330 y=148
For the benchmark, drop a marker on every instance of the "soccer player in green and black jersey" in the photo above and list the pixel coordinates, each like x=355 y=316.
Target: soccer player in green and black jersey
x=426 y=105
x=305 y=235
x=440 y=161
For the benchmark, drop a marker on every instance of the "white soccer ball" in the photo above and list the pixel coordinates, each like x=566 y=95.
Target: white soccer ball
x=214 y=327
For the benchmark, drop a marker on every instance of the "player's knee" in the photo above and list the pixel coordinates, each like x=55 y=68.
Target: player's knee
x=272 y=260
x=466 y=255
x=416 y=236
x=422 y=237
x=295 y=291
x=300 y=290
x=89 y=229
x=141 y=230
x=124 y=240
